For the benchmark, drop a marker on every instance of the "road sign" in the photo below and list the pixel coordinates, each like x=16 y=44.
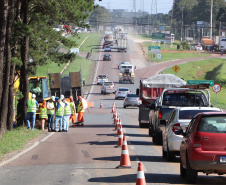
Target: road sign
x=216 y=88
x=158 y=36
x=158 y=56
x=176 y=68
x=195 y=82
x=155 y=51
x=154 y=47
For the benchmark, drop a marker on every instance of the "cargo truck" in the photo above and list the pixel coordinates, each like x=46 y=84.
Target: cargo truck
x=122 y=41
x=126 y=73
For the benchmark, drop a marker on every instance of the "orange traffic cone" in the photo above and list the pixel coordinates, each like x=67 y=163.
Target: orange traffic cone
x=115 y=114
x=113 y=109
x=120 y=138
x=118 y=123
x=125 y=159
x=101 y=105
x=140 y=175
x=115 y=119
x=118 y=129
x=113 y=104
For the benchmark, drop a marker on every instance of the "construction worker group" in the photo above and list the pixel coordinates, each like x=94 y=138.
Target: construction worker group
x=57 y=111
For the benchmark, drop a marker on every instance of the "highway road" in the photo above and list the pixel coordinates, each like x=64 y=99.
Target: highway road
x=86 y=155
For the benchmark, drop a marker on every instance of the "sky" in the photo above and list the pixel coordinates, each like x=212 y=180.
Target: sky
x=163 y=6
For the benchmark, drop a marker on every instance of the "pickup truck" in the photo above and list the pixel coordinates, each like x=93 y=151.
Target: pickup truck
x=101 y=79
x=108 y=88
x=171 y=98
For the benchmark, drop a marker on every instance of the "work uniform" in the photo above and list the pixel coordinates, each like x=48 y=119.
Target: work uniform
x=31 y=113
x=67 y=114
x=81 y=111
x=73 y=112
x=50 y=113
x=59 y=115
x=43 y=116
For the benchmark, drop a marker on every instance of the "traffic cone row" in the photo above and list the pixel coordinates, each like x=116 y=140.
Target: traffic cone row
x=125 y=158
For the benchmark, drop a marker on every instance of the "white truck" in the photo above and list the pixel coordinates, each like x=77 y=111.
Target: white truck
x=122 y=41
x=101 y=79
x=126 y=73
x=222 y=45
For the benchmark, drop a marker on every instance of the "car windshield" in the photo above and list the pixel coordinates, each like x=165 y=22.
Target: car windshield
x=123 y=89
x=102 y=76
x=132 y=95
x=212 y=124
x=107 y=46
x=189 y=114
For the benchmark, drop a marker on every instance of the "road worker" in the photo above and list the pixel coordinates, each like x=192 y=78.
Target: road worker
x=67 y=114
x=32 y=105
x=81 y=111
x=50 y=113
x=59 y=114
x=73 y=111
x=43 y=114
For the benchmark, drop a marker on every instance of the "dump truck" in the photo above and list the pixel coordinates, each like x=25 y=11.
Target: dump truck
x=207 y=44
x=126 y=73
x=150 y=90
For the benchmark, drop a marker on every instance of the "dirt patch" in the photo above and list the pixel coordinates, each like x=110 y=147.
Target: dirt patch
x=200 y=73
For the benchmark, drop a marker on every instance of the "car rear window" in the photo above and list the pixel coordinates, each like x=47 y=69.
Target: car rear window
x=108 y=83
x=182 y=99
x=216 y=124
x=132 y=95
x=189 y=114
x=123 y=89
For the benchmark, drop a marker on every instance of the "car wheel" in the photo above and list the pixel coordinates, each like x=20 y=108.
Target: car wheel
x=124 y=106
x=158 y=138
x=170 y=155
x=141 y=125
x=164 y=153
x=182 y=170
x=191 y=174
x=150 y=130
x=116 y=98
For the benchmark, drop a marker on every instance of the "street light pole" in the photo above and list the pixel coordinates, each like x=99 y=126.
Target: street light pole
x=211 y=19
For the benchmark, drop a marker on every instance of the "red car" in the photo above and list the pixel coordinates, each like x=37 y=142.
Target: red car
x=203 y=147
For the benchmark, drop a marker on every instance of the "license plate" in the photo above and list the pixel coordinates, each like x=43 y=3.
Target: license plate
x=223 y=159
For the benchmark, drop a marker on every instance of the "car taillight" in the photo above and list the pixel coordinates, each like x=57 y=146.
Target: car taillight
x=176 y=127
x=139 y=99
x=197 y=141
x=119 y=92
x=126 y=99
x=160 y=116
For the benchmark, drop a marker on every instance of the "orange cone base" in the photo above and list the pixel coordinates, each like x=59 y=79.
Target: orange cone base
x=141 y=182
x=123 y=166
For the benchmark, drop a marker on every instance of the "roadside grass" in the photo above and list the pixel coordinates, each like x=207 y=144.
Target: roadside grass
x=17 y=139
x=92 y=41
x=75 y=66
x=209 y=69
x=170 y=53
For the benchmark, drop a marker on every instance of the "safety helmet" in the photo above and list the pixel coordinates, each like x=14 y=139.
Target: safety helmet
x=33 y=96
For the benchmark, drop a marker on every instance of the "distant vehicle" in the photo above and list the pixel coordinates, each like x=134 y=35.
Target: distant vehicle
x=121 y=92
x=179 y=119
x=108 y=88
x=122 y=41
x=132 y=100
x=56 y=28
x=202 y=148
x=107 y=48
x=124 y=63
x=107 y=57
x=101 y=79
x=126 y=73
x=109 y=38
x=198 y=48
x=223 y=44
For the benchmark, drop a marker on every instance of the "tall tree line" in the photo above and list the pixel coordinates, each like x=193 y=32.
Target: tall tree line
x=26 y=33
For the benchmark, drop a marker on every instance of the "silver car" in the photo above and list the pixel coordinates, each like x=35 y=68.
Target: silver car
x=121 y=92
x=132 y=100
x=179 y=119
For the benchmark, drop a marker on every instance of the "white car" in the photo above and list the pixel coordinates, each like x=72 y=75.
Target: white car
x=121 y=92
x=179 y=119
x=199 y=48
x=107 y=48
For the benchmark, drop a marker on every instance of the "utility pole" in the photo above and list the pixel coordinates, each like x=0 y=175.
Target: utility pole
x=211 y=19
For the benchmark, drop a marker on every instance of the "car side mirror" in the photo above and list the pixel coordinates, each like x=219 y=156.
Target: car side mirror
x=162 y=122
